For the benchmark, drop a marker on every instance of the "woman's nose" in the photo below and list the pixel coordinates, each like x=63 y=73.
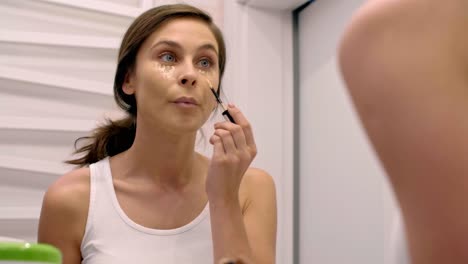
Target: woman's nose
x=188 y=76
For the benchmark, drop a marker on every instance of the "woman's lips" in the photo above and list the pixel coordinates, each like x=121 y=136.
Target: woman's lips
x=186 y=102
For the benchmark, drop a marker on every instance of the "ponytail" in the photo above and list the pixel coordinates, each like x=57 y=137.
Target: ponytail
x=108 y=140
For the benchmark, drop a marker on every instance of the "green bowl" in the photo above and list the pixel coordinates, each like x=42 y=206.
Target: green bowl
x=29 y=252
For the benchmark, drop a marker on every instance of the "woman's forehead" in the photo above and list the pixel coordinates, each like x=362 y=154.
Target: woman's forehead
x=184 y=31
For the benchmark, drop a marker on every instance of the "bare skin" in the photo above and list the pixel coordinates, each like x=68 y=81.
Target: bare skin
x=69 y=198
x=163 y=173
x=405 y=63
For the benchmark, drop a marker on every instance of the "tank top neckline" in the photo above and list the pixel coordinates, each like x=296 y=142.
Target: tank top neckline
x=162 y=232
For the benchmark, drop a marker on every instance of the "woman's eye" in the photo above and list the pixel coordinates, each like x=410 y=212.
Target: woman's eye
x=205 y=63
x=167 y=57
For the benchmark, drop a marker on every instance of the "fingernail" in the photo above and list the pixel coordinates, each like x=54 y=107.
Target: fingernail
x=231 y=105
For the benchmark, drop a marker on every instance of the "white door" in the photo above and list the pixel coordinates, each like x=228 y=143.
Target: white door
x=345 y=206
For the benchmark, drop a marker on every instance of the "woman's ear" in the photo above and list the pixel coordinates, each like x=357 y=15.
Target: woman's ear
x=128 y=85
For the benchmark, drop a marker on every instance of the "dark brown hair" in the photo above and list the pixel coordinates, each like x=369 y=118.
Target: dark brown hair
x=117 y=136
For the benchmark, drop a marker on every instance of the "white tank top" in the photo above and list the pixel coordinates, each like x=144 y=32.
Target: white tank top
x=112 y=237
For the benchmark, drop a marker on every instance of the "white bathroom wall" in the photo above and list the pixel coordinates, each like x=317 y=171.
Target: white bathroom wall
x=259 y=81
x=56 y=63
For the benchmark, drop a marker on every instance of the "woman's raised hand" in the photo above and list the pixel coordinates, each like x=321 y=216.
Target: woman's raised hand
x=233 y=150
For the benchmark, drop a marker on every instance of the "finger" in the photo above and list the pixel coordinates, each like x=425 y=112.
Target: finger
x=228 y=141
x=218 y=148
x=236 y=131
x=243 y=123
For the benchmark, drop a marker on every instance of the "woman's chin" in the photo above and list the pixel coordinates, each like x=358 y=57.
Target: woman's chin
x=186 y=125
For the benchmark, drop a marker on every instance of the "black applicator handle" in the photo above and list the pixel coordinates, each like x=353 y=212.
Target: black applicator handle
x=228 y=116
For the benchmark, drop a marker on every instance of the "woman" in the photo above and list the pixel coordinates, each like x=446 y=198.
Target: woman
x=406 y=66
x=147 y=196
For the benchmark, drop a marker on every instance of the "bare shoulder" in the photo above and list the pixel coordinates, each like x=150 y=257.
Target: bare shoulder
x=441 y=22
x=257 y=178
x=260 y=213
x=256 y=185
x=70 y=192
x=404 y=63
x=395 y=50
x=415 y=10
x=64 y=213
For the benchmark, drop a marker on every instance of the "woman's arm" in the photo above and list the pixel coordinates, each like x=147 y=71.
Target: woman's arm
x=240 y=231
x=405 y=66
x=253 y=225
x=260 y=215
x=63 y=215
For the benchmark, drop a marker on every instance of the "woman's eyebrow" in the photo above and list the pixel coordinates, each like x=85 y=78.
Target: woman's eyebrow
x=207 y=46
x=168 y=43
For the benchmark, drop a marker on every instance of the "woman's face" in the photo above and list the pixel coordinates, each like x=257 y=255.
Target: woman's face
x=170 y=79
